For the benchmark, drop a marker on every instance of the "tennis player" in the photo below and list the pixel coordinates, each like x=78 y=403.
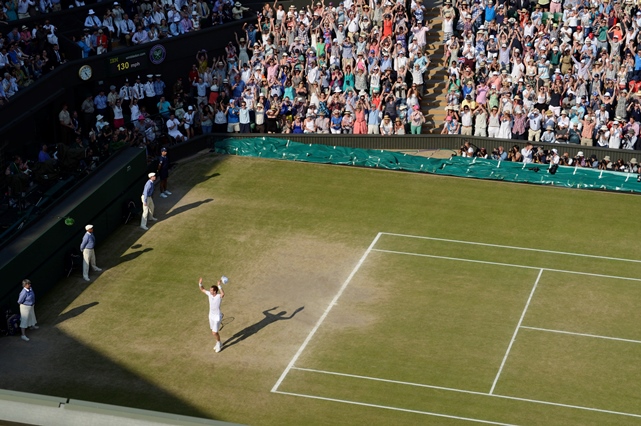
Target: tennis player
x=215 y=295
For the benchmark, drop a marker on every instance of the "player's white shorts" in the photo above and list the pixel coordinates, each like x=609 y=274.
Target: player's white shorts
x=214 y=322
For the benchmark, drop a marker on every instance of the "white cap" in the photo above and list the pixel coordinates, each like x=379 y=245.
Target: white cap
x=554 y=150
x=88 y=227
x=152 y=174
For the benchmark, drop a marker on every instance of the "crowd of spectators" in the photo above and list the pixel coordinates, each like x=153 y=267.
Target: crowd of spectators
x=560 y=71
x=549 y=157
x=135 y=22
x=91 y=131
x=26 y=54
x=354 y=68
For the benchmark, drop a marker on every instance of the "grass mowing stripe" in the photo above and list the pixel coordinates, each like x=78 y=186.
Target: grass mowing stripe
x=513 y=398
x=581 y=334
x=513 y=247
x=507 y=264
x=516 y=330
x=406 y=410
x=329 y=308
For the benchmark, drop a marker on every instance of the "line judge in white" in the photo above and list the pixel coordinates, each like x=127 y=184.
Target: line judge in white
x=215 y=295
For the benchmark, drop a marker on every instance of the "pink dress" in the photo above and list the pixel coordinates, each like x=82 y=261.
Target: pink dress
x=360 y=126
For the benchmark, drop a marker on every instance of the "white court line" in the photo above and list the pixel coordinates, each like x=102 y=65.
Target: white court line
x=485 y=262
x=513 y=247
x=406 y=410
x=322 y=318
x=514 y=398
x=582 y=334
x=516 y=330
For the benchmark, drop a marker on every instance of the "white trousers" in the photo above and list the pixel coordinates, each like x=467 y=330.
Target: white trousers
x=88 y=258
x=147 y=211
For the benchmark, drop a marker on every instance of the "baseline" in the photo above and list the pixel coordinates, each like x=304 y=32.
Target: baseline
x=495 y=395
x=405 y=410
x=322 y=318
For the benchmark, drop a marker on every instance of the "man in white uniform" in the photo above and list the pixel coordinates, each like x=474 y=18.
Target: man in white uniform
x=215 y=295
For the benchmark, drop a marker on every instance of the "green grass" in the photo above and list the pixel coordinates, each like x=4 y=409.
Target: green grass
x=288 y=235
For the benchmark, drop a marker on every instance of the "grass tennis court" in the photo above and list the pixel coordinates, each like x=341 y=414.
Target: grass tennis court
x=356 y=297
x=469 y=322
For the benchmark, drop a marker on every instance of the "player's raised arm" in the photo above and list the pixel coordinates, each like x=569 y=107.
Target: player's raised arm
x=200 y=286
x=220 y=289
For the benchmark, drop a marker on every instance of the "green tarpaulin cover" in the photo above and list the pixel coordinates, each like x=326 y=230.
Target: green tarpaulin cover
x=570 y=177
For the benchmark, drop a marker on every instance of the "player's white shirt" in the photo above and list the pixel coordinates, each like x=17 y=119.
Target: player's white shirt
x=214 y=306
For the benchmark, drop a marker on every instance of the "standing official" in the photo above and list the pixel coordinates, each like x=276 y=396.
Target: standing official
x=88 y=254
x=163 y=171
x=148 y=202
x=27 y=301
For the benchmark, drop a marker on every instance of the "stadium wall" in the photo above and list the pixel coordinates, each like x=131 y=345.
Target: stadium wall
x=41 y=253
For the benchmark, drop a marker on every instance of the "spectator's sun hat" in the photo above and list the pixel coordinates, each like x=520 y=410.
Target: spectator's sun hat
x=633 y=161
x=152 y=174
x=580 y=154
x=88 y=227
x=99 y=117
x=554 y=150
x=606 y=158
x=604 y=128
x=549 y=128
x=336 y=112
x=91 y=12
x=24 y=27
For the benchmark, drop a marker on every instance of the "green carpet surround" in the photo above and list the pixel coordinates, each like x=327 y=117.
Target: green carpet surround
x=570 y=177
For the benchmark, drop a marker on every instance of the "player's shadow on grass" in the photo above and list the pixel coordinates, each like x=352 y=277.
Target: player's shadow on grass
x=255 y=328
x=131 y=256
x=72 y=313
x=186 y=207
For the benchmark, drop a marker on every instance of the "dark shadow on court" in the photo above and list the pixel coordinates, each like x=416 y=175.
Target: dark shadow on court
x=72 y=313
x=131 y=256
x=255 y=328
x=211 y=176
x=186 y=207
